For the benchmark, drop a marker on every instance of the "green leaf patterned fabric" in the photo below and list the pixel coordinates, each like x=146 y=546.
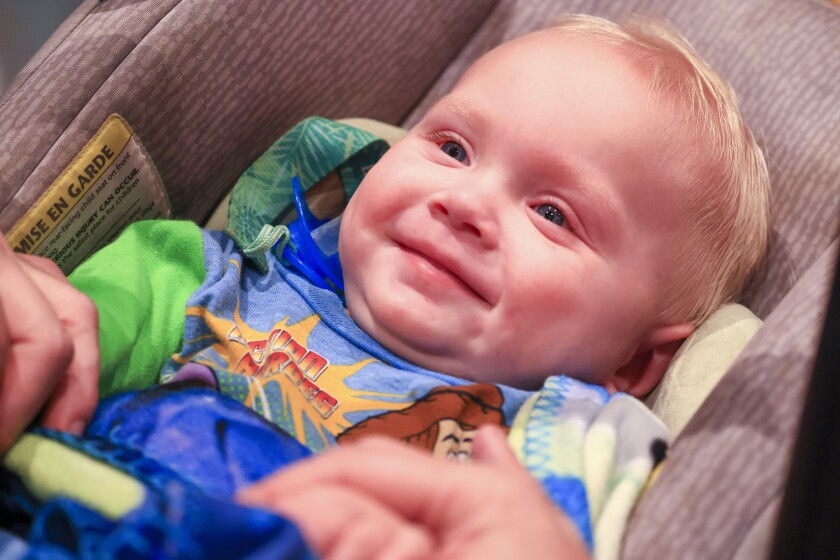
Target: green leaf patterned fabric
x=311 y=150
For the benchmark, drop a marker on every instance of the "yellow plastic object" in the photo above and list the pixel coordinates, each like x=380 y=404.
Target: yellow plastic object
x=50 y=469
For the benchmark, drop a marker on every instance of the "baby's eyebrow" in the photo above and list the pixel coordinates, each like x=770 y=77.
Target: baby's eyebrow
x=604 y=218
x=464 y=110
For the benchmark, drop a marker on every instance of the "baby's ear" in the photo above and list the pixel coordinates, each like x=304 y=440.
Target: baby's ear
x=644 y=371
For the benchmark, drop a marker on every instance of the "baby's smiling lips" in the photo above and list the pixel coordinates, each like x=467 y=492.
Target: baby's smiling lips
x=448 y=266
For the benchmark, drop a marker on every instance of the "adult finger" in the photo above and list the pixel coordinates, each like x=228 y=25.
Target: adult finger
x=414 y=484
x=342 y=524
x=43 y=264
x=490 y=446
x=37 y=348
x=5 y=342
x=73 y=401
x=473 y=510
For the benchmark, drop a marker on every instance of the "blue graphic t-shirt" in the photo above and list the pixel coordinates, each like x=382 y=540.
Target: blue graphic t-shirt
x=289 y=351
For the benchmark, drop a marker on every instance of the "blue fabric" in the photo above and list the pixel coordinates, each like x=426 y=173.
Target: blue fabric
x=208 y=439
x=569 y=494
x=177 y=523
x=12 y=547
x=192 y=449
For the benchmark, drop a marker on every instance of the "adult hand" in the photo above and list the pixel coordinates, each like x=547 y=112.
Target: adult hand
x=49 y=347
x=381 y=499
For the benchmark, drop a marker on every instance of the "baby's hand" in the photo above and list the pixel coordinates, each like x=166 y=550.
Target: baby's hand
x=381 y=499
x=49 y=347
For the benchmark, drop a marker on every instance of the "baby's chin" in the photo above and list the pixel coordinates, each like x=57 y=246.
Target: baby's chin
x=460 y=351
x=470 y=368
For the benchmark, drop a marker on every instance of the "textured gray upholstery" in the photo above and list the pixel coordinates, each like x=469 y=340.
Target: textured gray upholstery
x=208 y=85
x=730 y=462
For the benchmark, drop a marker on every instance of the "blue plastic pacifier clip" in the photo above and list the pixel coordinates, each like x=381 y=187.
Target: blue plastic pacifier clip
x=313 y=247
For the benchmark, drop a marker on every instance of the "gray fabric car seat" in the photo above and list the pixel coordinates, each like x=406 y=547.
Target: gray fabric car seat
x=208 y=85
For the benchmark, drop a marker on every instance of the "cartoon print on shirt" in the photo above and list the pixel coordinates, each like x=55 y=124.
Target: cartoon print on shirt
x=444 y=421
x=277 y=374
x=280 y=374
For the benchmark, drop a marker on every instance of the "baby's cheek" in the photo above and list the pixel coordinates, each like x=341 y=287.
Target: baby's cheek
x=367 y=210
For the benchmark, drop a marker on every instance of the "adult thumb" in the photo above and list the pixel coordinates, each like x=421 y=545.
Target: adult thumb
x=490 y=446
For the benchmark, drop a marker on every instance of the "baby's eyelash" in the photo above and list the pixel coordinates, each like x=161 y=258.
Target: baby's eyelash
x=445 y=135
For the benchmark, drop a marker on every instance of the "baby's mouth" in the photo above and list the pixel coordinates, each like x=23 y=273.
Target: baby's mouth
x=444 y=269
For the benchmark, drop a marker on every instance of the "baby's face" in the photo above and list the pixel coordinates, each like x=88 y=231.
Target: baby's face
x=520 y=230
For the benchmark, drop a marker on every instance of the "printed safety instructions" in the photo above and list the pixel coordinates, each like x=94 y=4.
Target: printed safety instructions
x=109 y=185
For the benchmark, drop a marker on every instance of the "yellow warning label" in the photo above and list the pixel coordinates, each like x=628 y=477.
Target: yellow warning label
x=111 y=183
x=70 y=187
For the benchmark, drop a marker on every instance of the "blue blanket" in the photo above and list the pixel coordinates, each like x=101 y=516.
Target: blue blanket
x=153 y=476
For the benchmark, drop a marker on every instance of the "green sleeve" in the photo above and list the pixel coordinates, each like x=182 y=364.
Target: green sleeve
x=140 y=284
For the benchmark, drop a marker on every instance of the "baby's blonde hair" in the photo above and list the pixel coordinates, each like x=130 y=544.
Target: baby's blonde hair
x=730 y=193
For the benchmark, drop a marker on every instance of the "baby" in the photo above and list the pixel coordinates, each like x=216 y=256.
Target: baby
x=583 y=198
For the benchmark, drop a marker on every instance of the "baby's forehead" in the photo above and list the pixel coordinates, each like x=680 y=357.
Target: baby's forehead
x=573 y=57
x=661 y=68
x=589 y=64
x=526 y=50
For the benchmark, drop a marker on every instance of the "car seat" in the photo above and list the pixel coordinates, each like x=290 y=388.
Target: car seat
x=208 y=85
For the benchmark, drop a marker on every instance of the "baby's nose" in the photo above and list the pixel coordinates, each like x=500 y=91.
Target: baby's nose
x=468 y=214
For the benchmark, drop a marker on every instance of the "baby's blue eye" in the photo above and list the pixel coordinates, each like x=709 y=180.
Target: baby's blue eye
x=454 y=150
x=552 y=214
